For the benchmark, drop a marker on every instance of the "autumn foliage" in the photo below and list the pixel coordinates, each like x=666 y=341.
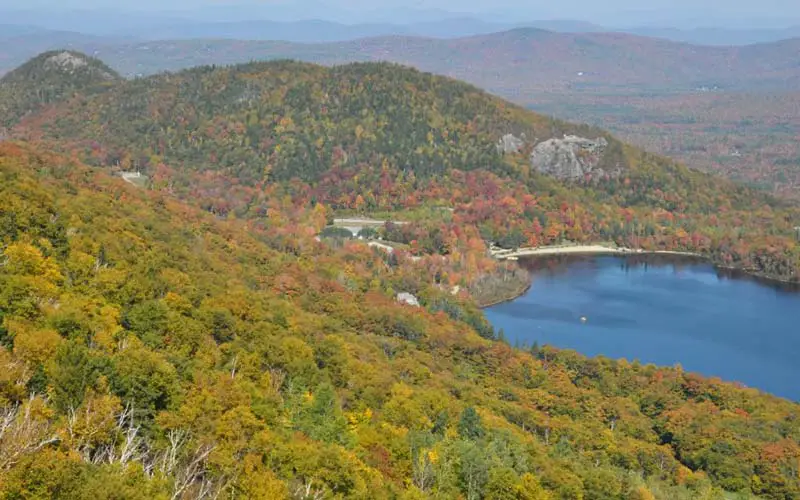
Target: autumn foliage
x=152 y=350
x=194 y=338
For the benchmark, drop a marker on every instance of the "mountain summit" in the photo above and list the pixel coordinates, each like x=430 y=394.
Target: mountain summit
x=49 y=78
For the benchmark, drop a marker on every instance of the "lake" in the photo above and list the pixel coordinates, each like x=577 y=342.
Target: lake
x=662 y=310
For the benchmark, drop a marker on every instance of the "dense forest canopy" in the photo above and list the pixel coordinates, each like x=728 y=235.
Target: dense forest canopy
x=382 y=137
x=150 y=350
x=196 y=339
x=50 y=78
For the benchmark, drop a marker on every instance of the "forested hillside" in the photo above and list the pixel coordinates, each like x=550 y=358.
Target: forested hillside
x=284 y=120
x=48 y=79
x=747 y=137
x=152 y=350
x=380 y=137
x=727 y=110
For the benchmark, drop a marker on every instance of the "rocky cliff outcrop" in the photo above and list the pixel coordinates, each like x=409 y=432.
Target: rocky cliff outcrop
x=572 y=158
x=510 y=144
x=408 y=299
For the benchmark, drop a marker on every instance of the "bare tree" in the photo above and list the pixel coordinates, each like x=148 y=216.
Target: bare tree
x=83 y=428
x=188 y=471
x=422 y=469
x=22 y=433
x=191 y=472
x=128 y=446
x=307 y=491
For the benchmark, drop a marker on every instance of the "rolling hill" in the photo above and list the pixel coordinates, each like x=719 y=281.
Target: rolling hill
x=20 y=44
x=518 y=64
x=152 y=349
x=383 y=137
x=249 y=25
x=610 y=80
x=50 y=78
x=720 y=36
x=590 y=77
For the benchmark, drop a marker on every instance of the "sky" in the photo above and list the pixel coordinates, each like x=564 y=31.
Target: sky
x=727 y=13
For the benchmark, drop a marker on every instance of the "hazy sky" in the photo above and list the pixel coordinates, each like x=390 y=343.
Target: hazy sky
x=654 y=12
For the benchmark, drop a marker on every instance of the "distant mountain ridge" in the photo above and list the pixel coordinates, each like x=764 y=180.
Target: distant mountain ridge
x=316 y=31
x=11 y=30
x=719 y=36
x=518 y=64
x=269 y=24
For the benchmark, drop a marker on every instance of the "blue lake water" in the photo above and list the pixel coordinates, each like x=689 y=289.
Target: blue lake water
x=663 y=311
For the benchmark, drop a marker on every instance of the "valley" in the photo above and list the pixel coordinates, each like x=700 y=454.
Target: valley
x=213 y=329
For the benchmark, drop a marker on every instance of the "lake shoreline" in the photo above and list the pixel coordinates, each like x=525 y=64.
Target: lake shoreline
x=660 y=310
x=510 y=298
x=760 y=277
x=585 y=250
x=598 y=250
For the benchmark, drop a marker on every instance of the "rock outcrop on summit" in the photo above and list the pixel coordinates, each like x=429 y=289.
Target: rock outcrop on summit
x=49 y=79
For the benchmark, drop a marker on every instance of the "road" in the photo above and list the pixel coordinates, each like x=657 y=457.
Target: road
x=355 y=225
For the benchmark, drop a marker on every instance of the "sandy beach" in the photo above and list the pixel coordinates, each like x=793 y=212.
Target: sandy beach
x=582 y=249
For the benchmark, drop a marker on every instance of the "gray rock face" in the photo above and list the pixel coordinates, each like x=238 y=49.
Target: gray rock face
x=66 y=60
x=408 y=299
x=572 y=158
x=510 y=144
